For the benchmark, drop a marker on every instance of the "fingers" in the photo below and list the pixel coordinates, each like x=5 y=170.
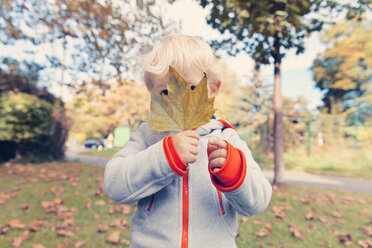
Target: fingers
x=214 y=144
x=217 y=154
x=217 y=163
x=191 y=134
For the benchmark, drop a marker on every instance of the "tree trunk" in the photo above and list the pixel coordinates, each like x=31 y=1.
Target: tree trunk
x=278 y=117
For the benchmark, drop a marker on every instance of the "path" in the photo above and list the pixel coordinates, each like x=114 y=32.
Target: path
x=299 y=178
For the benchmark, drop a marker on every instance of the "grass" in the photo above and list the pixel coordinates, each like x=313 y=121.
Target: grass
x=76 y=184
x=335 y=160
x=103 y=153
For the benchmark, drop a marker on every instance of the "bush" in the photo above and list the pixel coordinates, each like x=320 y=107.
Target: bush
x=37 y=127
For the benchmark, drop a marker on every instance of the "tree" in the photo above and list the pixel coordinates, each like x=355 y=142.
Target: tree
x=344 y=71
x=32 y=121
x=96 y=114
x=100 y=38
x=262 y=28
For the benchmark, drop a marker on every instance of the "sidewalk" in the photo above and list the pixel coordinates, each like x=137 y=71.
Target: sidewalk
x=291 y=177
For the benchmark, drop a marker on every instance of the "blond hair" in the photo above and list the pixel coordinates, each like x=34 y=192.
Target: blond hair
x=190 y=56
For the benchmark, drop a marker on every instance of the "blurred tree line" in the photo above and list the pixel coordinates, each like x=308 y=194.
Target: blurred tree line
x=95 y=43
x=85 y=46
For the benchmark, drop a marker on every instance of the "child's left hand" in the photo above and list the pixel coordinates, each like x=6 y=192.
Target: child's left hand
x=218 y=153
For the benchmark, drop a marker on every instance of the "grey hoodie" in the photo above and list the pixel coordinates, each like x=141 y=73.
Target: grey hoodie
x=140 y=172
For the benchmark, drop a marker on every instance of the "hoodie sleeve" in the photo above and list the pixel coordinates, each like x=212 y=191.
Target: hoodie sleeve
x=251 y=192
x=137 y=171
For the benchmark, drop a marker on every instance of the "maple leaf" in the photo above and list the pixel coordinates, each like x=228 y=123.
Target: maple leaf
x=184 y=108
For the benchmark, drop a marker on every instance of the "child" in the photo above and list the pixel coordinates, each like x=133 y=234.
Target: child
x=190 y=186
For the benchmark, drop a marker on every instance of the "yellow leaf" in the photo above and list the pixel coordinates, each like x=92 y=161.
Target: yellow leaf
x=183 y=108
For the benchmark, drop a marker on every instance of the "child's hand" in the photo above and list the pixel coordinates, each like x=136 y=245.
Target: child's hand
x=218 y=150
x=186 y=144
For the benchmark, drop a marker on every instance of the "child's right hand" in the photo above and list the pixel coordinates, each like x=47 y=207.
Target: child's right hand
x=186 y=144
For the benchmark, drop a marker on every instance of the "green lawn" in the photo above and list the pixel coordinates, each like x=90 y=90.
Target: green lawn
x=66 y=198
x=339 y=161
x=102 y=153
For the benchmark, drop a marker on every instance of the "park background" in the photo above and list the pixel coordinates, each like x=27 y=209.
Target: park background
x=296 y=84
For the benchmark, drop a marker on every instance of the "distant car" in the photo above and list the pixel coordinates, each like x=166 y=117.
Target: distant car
x=94 y=144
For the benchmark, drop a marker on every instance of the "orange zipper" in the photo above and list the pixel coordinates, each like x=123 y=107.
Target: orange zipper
x=151 y=203
x=185 y=212
x=220 y=199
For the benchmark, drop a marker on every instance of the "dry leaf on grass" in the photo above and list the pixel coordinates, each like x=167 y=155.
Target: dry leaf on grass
x=24 y=206
x=113 y=238
x=102 y=228
x=244 y=219
x=65 y=233
x=310 y=216
x=100 y=203
x=16 y=224
x=336 y=214
x=295 y=232
x=263 y=233
x=365 y=243
x=88 y=204
x=79 y=243
x=19 y=240
x=367 y=230
x=257 y=222
x=344 y=237
x=38 y=246
x=4 y=229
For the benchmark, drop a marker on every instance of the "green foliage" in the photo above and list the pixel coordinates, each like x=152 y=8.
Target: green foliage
x=25 y=118
x=253 y=25
x=32 y=121
x=344 y=70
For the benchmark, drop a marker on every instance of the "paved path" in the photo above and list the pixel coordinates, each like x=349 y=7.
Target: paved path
x=299 y=178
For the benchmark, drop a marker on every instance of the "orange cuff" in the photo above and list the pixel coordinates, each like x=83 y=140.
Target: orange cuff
x=174 y=160
x=232 y=173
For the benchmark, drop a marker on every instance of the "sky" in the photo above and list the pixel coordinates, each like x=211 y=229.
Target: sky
x=296 y=73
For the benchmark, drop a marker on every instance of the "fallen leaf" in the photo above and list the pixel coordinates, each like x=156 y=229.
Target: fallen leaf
x=367 y=230
x=269 y=225
x=184 y=108
x=336 y=214
x=310 y=216
x=257 y=222
x=125 y=209
x=295 y=232
x=16 y=223
x=38 y=246
x=263 y=233
x=88 y=204
x=19 y=240
x=102 y=228
x=65 y=233
x=365 y=243
x=113 y=238
x=4 y=229
x=36 y=226
x=244 y=219
x=125 y=241
x=24 y=206
x=100 y=203
x=344 y=237
x=79 y=243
